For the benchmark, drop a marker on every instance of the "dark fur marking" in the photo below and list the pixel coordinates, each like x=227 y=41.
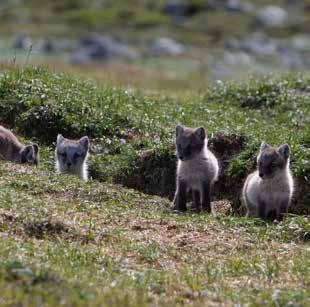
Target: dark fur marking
x=261 y=209
x=206 y=203
x=196 y=200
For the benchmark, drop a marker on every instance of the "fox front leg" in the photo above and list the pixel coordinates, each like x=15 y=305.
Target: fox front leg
x=179 y=201
x=261 y=210
x=282 y=210
x=206 y=203
x=196 y=200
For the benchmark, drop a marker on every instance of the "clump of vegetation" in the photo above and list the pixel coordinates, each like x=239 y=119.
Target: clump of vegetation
x=40 y=105
x=260 y=93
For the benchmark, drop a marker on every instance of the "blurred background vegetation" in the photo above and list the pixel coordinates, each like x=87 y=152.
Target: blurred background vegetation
x=155 y=45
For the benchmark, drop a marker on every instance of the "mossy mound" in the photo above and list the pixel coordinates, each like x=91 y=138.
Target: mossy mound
x=41 y=104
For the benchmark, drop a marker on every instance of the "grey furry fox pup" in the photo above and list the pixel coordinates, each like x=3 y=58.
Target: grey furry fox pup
x=197 y=169
x=13 y=150
x=268 y=191
x=71 y=156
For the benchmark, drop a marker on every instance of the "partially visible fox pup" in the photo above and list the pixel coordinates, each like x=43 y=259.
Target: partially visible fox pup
x=268 y=191
x=197 y=168
x=71 y=156
x=11 y=149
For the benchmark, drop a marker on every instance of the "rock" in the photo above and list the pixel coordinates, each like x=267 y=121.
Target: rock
x=90 y=54
x=229 y=63
x=238 y=6
x=237 y=58
x=101 y=48
x=220 y=70
x=271 y=16
x=166 y=46
x=104 y=47
x=94 y=40
x=300 y=43
x=81 y=56
x=22 y=41
x=258 y=44
x=175 y=9
x=292 y=59
x=179 y=9
x=232 y=43
x=64 y=44
x=46 y=45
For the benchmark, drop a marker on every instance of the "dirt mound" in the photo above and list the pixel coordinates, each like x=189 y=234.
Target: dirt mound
x=152 y=173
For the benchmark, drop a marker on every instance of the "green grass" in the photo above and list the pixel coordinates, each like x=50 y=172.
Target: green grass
x=101 y=243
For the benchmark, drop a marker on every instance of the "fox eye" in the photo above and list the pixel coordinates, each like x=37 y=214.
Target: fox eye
x=76 y=156
x=63 y=154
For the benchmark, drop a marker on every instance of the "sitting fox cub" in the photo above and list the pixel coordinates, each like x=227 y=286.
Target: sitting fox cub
x=268 y=191
x=11 y=149
x=197 y=168
x=71 y=156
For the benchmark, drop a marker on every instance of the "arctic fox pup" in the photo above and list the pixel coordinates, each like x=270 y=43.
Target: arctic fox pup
x=197 y=168
x=268 y=190
x=11 y=149
x=71 y=156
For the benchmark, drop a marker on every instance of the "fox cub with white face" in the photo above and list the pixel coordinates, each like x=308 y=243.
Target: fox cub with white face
x=197 y=169
x=11 y=149
x=71 y=156
x=268 y=191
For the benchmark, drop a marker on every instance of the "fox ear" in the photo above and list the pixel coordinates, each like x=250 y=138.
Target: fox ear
x=284 y=150
x=178 y=129
x=35 y=148
x=84 y=141
x=264 y=146
x=200 y=132
x=28 y=150
x=60 y=138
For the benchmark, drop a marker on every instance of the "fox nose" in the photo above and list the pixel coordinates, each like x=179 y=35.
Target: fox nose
x=261 y=175
x=69 y=164
x=181 y=157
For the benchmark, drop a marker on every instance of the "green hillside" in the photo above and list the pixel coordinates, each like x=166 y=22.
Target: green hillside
x=114 y=241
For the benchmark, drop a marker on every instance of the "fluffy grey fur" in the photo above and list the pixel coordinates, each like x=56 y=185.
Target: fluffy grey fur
x=268 y=191
x=197 y=168
x=11 y=149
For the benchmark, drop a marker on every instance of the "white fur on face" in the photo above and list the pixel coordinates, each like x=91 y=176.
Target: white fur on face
x=71 y=156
